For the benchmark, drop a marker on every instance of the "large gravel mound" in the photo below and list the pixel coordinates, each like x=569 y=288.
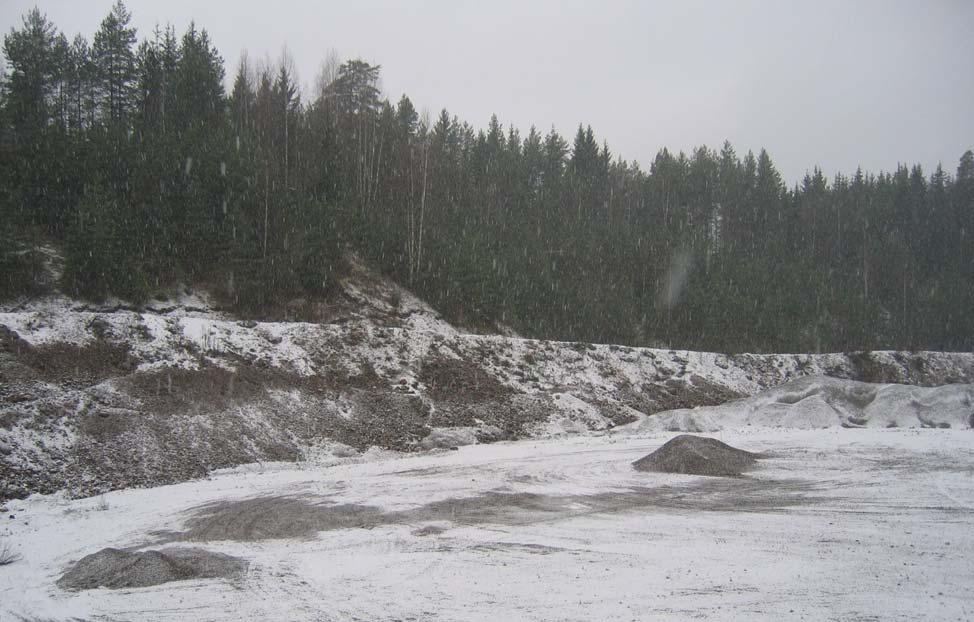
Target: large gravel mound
x=697 y=455
x=114 y=568
x=823 y=402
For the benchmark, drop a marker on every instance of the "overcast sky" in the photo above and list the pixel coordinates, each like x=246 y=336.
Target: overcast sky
x=834 y=83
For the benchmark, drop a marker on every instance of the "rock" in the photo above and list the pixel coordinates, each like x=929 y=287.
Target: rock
x=449 y=438
x=490 y=434
x=344 y=451
x=100 y=327
x=14 y=492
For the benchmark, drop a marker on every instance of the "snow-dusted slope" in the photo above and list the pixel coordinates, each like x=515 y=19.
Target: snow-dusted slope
x=823 y=402
x=95 y=397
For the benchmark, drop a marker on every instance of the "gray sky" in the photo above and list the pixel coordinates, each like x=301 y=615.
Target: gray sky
x=836 y=83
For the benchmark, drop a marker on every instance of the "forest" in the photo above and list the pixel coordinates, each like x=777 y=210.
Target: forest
x=134 y=158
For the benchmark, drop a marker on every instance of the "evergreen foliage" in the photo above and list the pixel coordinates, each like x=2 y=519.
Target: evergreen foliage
x=136 y=161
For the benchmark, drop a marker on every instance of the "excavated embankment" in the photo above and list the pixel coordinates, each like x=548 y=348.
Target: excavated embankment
x=94 y=398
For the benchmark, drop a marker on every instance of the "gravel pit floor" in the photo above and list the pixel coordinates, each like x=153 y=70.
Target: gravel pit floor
x=834 y=524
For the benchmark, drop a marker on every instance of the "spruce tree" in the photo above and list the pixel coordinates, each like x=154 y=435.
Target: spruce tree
x=113 y=55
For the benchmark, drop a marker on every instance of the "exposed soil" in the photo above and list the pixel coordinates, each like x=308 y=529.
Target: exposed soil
x=429 y=530
x=267 y=518
x=270 y=518
x=615 y=412
x=697 y=455
x=917 y=368
x=72 y=365
x=460 y=380
x=380 y=418
x=113 y=568
x=146 y=402
x=674 y=393
x=512 y=414
x=526 y=508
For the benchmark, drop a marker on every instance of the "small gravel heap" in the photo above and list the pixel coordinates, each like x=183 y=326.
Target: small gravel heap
x=114 y=568
x=697 y=455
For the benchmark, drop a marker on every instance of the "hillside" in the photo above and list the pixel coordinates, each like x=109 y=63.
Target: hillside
x=99 y=397
x=555 y=232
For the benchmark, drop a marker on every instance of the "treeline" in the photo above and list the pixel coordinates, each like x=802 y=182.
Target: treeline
x=134 y=158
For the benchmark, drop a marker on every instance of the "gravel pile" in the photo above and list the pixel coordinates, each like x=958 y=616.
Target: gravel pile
x=114 y=568
x=697 y=455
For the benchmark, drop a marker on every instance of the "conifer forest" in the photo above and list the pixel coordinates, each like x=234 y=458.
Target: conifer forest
x=148 y=165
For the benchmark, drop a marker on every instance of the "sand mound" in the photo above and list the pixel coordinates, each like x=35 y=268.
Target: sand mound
x=121 y=569
x=822 y=402
x=697 y=455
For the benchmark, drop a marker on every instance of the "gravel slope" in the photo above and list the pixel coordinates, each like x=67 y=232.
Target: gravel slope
x=101 y=397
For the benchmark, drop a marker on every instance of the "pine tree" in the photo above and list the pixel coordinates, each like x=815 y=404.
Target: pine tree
x=114 y=59
x=32 y=66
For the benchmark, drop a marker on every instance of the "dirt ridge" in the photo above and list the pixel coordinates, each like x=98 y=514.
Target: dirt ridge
x=94 y=400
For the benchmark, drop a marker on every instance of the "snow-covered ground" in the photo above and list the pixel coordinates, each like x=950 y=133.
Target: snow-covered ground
x=863 y=508
x=836 y=524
